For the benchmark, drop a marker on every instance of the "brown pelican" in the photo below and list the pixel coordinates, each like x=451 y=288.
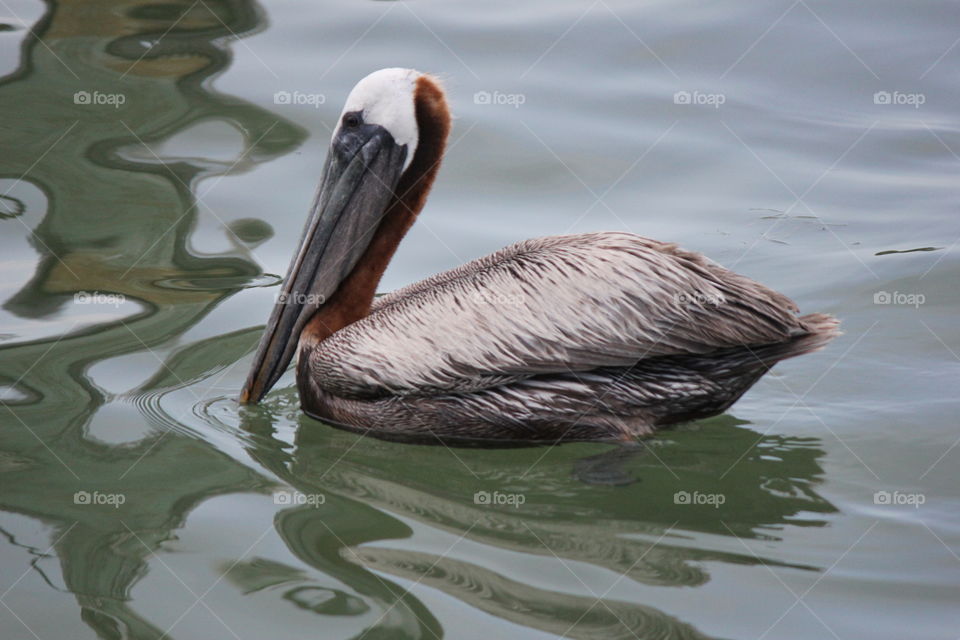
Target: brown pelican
x=589 y=336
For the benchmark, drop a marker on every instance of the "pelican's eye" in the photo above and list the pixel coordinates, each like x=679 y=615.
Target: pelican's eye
x=352 y=120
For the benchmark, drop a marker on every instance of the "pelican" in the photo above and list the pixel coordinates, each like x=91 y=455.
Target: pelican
x=593 y=336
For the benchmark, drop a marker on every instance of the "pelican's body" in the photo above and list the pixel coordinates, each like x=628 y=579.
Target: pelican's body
x=589 y=336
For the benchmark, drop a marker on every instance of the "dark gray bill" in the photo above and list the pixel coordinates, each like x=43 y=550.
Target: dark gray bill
x=360 y=174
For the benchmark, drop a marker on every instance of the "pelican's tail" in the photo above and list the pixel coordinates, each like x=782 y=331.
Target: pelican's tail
x=732 y=371
x=816 y=331
x=821 y=328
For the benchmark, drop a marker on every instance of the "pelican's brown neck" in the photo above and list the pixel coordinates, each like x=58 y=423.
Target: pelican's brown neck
x=352 y=299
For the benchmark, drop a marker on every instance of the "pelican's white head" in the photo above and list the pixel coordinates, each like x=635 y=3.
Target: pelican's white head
x=387 y=98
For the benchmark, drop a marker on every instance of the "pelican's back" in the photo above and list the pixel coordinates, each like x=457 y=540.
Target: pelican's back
x=600 y=334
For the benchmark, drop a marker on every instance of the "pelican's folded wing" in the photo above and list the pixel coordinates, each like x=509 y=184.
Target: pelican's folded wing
x=549 y=305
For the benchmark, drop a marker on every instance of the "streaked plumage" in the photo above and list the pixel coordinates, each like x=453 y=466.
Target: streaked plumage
x=598 y=335
x=602 y=334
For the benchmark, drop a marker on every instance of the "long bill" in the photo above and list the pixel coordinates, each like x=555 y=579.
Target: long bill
x=361 y=172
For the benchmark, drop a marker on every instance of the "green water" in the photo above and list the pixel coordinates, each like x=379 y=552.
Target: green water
x=156 y=164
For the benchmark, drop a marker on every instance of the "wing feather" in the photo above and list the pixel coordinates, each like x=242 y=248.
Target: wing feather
x=550 y=305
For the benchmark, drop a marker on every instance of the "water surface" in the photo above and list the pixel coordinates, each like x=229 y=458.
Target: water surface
x=158 y=160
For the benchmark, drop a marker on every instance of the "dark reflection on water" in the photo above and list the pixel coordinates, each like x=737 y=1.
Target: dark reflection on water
x=120 y=225
x=644 y=535
x=117 y=226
